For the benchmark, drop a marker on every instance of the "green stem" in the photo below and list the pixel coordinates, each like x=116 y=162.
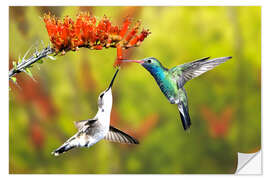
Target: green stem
x=26 y=63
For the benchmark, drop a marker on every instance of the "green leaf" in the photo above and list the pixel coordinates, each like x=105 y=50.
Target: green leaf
x=40 y=61
x=50 y=57
x=28 y=71
x=14 y=64
x=13 y=79
x=20 y=60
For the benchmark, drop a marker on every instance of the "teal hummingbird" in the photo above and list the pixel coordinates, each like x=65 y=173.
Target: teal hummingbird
x=171 y=81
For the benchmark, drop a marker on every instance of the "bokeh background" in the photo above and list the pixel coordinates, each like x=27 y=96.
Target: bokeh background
x=225 y=103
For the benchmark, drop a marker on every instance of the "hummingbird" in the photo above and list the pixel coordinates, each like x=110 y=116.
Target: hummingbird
x=91 y=131
x=171 y=81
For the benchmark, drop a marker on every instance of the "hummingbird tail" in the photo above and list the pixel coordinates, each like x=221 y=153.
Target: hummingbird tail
x=64 y=148
x=184 y=116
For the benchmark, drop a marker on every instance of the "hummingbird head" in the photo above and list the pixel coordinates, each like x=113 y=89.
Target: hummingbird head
x=105 y=98
x=151 y=63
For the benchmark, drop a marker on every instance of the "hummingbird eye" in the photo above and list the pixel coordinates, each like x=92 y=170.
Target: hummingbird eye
x=100 y=102
x=101 y=95
x=149 y=61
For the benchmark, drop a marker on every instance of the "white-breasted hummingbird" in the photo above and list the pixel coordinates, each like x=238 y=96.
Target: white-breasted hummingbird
x=172 y=81
x=93 y=130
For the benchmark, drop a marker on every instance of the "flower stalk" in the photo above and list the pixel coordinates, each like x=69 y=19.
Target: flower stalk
x=24 y=65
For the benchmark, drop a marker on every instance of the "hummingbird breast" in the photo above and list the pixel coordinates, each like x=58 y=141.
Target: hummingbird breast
x=165 y=81
x=168 y=86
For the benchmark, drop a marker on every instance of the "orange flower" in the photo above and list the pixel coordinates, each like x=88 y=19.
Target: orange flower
x=86 y=32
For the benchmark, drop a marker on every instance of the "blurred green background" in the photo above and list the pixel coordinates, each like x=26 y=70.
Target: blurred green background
x=225 y=103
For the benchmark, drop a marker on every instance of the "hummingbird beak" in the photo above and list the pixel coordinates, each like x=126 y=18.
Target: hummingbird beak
x=136 y=61
x=110 y=86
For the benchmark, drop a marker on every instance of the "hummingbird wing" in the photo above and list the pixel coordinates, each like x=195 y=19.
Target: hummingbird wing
x=188 y=71
x=115 y=135
x=80 y=124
